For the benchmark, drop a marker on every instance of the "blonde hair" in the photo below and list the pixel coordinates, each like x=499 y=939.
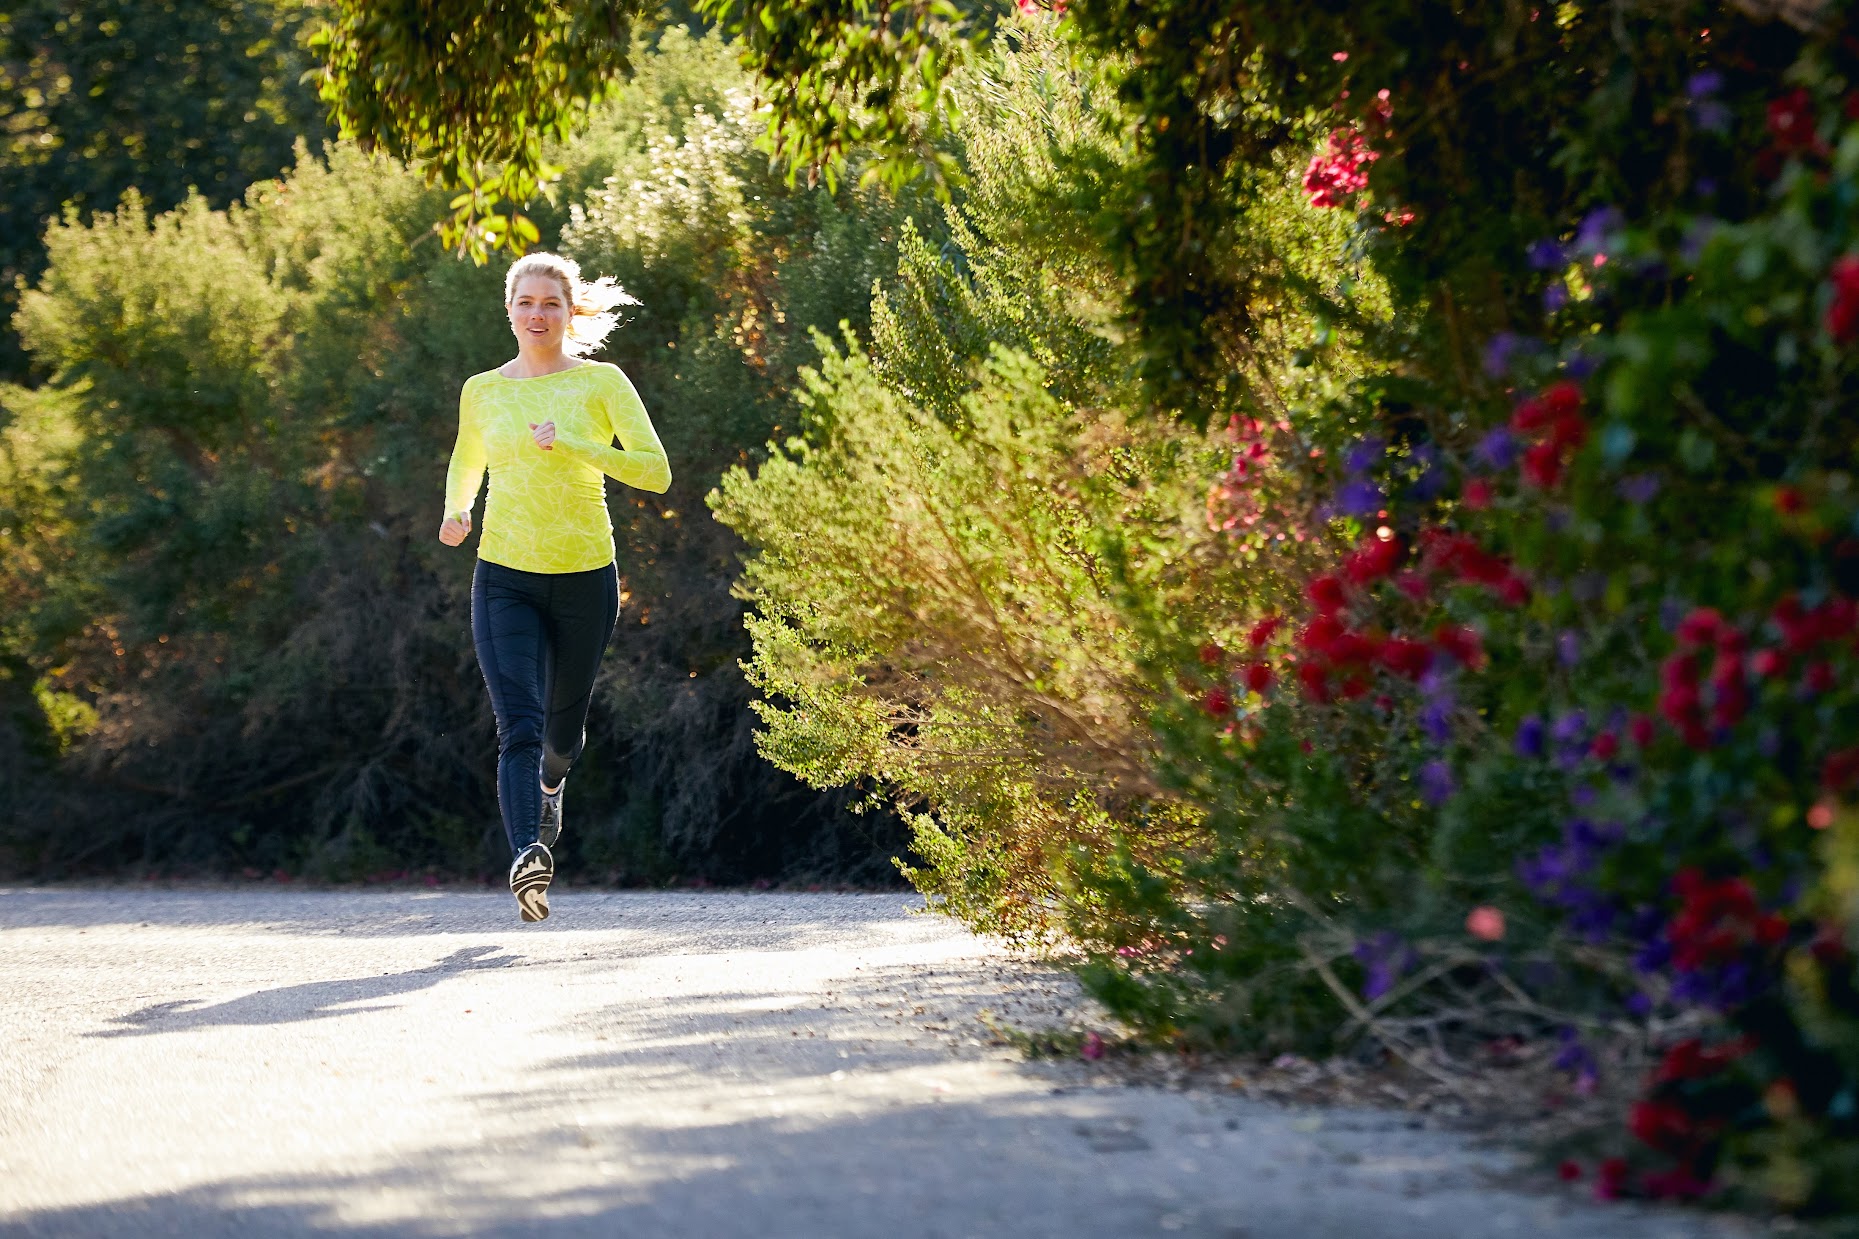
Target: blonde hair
x=591 y=305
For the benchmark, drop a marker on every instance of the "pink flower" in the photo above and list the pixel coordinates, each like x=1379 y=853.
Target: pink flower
x=1485 y=922
x=1340 y=170
x=1093 y=1047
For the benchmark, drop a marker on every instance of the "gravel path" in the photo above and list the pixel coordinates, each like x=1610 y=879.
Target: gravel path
x=269 y=1061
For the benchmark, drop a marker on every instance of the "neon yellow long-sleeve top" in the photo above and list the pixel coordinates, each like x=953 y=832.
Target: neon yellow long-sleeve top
x=547 y=510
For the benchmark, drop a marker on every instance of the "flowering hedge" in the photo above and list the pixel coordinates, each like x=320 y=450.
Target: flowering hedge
x=1565 y=742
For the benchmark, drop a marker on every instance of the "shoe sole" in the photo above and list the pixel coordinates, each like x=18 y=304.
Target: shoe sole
x=530 y=875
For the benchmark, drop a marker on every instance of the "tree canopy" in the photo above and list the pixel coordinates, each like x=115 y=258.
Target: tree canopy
x=166 y=96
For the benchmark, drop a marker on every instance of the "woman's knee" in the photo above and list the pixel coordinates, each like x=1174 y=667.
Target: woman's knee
x=521 y=732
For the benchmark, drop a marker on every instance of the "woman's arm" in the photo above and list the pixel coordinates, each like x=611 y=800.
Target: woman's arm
x=465 y=474
x=640 y=460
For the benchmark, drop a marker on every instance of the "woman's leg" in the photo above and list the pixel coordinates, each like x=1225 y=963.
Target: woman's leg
x=508 y=628
x=584 y=607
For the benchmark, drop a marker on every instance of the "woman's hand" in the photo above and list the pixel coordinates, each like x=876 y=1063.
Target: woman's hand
x=455 y=529
x=544 y=435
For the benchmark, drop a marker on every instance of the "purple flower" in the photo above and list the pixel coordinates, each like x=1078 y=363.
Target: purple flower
x=1711 y=116
x=1653 y=956
x=1697 y=236
x=1436 y=721
x=1598 y=229
x=1432 y=478
x=1364 y=454
x=1436 y=782
x=1384 y=959
x=1709 y=112
x=1639 y=1006
x=1568 y=647
x=1547 y=255
x=1577 y=1058
x=1639 y=488
x=1570 y=734
x=1503 y=349
x=1497 y=451
x=1582 y=796
x=1580 y=366
x=1672 y=612
x=1529 y=740
x=1359 y=498
x=1555 y=297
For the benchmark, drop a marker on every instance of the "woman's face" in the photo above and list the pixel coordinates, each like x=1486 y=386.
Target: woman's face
x=539 y=312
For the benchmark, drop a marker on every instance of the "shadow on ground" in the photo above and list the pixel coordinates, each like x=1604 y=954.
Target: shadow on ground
x=945 y=1170
x=313 y=1000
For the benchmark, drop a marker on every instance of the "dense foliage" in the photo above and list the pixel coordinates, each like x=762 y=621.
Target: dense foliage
x=164 y=98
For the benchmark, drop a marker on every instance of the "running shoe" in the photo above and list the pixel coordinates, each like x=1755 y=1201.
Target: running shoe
x=549 y=831
x=530 y=875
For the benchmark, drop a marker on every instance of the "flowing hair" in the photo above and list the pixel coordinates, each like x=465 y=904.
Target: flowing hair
x=591 y=304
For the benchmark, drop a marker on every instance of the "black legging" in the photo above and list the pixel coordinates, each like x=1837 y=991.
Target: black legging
x=540 y=636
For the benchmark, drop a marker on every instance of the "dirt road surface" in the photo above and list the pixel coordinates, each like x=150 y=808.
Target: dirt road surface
x=258 y=1061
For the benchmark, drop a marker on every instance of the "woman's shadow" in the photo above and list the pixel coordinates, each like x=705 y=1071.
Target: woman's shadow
x=313 y=1000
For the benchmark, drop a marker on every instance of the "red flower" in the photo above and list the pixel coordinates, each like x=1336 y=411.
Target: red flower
x=1664 y=1125
x=1791 y=123
x=1339 y=171
x=1819 y=678
x=1212 y=655
x=1320 y=634
x=1568 y=1171
x=1262 y=631
x=1606 y=746
x=1678 y=1183
x=1788 y=500
x=1462 y=643
x=1701 y=627
x=1326 y=594
x=1477 y=495
x=1841 y=770
x=1414 y=585
x=1843 y=310
x=1408 y=658
x=1555 y=417
x=1513 y=591
x=1768 y=663
x=1374 y=559
x=1563 y=399
x=1689 y=1060
x=1612 y=1179
x=1260 y=677
x=1316 y=680
x=1218 y=702
x=1542 y=466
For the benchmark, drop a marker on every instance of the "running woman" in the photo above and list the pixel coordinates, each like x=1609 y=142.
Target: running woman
x=546 y=593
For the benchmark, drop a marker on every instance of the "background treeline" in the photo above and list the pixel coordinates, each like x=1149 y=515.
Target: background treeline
x=230 y=639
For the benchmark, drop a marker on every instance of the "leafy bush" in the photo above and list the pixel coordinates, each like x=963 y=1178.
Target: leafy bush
x=1509 y=702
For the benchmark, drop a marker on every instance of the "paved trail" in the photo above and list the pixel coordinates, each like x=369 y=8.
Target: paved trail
x=259 y=1062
